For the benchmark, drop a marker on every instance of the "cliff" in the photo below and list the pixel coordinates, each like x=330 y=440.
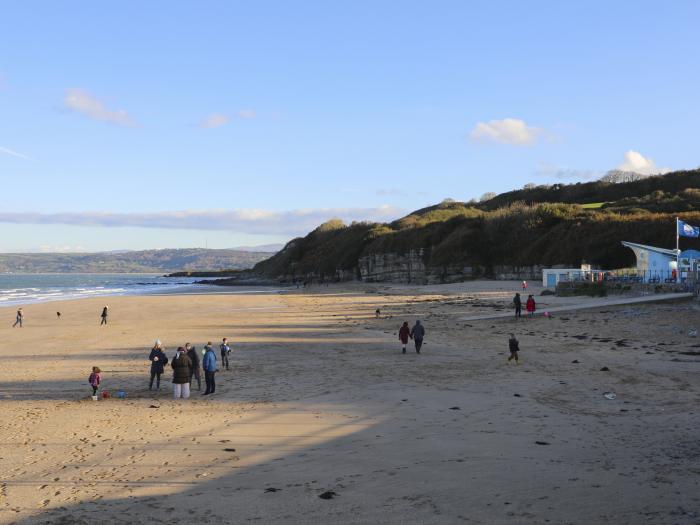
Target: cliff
x=454 y=241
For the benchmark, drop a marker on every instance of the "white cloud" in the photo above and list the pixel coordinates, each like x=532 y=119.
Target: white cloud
x=12 y=153
x=214 y=120
x=565 y=173
x=83 y=102
x=251 y=221
x=247 y=113
x=638 y=163
x=506 y=131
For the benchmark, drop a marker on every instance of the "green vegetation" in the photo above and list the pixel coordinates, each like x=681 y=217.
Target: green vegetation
x=535 y=226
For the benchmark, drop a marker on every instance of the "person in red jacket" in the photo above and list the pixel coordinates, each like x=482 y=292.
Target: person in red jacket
x=530 y=305
x=404 y=334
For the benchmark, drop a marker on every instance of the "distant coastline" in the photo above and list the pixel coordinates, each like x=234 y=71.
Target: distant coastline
x=136 y=262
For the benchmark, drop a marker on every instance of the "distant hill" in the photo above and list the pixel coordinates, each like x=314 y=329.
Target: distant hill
x=268 y=248
x=538 y=226
x=155 y=261
x=598 y=191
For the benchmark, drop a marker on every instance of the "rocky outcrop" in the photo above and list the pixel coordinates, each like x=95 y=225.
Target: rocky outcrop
x=409 y=268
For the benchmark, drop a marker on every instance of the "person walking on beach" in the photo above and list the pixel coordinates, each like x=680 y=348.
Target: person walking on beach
x=95 y=379
x=417 y=334
x=404 y=334
x=158 y=361
x=225 y=352
x=514 y=348
x=195 y=370
x=181 y=374
x=530 y=305
x=103 y=315
x=518 y=305
x=209 y=365
x=524 y=286
x=19 y=319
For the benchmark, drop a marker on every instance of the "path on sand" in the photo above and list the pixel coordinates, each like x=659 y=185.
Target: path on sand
x=603 y=302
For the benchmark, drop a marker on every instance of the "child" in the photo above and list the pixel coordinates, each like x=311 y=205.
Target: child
x=514 y=348
x=404 y=334
x=95 y=379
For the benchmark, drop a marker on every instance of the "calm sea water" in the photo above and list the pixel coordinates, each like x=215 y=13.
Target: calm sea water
x=18 y=289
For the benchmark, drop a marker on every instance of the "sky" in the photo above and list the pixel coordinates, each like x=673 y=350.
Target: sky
x=134 y=125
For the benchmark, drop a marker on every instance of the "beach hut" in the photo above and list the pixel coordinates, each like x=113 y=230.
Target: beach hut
x=653 y=264
x=553 y=276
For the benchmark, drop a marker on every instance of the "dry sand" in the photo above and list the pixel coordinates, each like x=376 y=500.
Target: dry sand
x=320 y=399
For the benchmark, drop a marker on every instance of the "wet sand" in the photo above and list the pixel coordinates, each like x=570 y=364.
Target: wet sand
x=321 y=400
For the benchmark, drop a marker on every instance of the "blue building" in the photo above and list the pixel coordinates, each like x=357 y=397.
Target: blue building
x=689 y=261
x=654 y=264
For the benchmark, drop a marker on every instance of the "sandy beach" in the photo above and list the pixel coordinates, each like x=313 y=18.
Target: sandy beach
x=320 y=400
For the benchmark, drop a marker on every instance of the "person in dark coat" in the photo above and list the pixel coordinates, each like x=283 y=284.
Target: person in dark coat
x=210 y=368
x=158 y=361
x=19 y=319
x=225 y=353
x=103 y=315
x=195 y=370
x=514 y=347
x=518 y=305
x=181 y=365
x=404 y=334
x=417 y=334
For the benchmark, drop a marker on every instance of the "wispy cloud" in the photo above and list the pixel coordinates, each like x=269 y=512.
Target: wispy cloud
x=565 y=173
x=12 y=153
x=506 y=131
x=638 y=163
x=252 y=221
x=82 y=102
x=390 y=192
x=246 y=113
x=215 y=120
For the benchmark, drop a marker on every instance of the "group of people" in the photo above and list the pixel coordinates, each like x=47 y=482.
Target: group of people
x=19 y=318
x=417 y=333
x=530 y=305
x=187 y=366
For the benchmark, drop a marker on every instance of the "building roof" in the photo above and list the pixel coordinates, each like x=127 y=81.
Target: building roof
x=691 y=254
x=662 y=251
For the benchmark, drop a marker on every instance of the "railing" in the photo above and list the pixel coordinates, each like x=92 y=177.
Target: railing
x=632 y=276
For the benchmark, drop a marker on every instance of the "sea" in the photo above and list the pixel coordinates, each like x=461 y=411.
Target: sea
x=19 y=289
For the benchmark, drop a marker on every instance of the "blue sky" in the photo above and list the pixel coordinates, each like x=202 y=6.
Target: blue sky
x=163 y=124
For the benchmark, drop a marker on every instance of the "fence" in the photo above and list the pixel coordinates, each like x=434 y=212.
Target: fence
x=683 y=281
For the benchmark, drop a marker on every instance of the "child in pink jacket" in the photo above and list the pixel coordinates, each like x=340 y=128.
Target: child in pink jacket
x=95 y=379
